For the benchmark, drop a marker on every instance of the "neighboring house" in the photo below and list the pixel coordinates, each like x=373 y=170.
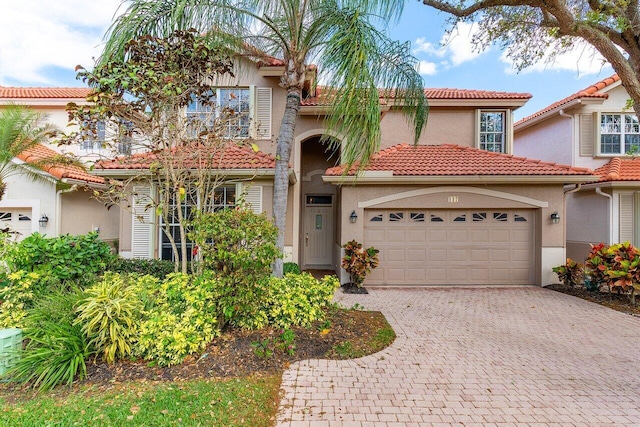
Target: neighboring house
x=445 y=212
x=61 y=202
x=593 y=128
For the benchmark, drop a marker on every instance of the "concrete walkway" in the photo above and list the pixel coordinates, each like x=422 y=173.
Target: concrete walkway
x=477 y=357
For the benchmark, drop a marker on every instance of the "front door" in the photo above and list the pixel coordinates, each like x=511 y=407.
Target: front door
x=318 y=225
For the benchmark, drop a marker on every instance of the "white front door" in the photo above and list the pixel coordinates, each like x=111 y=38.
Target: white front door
x=318 y=224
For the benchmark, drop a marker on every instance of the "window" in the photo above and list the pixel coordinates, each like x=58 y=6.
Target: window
x=224 y=197
x=231 y=105
x=95 y=141
x=619 y=133
x=492 y=135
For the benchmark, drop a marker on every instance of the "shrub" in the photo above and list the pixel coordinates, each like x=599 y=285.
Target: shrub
x=180 y=318
x=240 y=247
x=290 y=267
x=60 y=259
x=159 y=268
x=359 y=262
x=570 y=274
x=56 y=349
x=617 y=266
x=17 y=296
x=109 y=316
x=298 y=299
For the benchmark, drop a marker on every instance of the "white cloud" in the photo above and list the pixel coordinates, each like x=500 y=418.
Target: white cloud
x=36 y=34
x=583 y=58
x=427 y=68
x=453 y=49
x=458 y=43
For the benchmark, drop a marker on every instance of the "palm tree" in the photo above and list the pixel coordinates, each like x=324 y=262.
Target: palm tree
x=339 y=36
x=21 y=130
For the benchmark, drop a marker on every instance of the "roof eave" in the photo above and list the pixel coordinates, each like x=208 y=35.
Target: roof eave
x=478 y=102
x=611 y=184
x=457 y=179
x=271 y=70
x=62 y=102
x=242 y=173
x=556 y=110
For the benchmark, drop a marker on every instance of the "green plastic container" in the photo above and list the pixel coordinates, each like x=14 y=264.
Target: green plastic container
x=10 y=342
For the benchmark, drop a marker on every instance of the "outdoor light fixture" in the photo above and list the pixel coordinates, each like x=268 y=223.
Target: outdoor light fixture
x=44 y=219
x=353 y=217
x=555 y=217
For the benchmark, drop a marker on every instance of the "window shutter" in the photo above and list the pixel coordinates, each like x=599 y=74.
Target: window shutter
x=253 y=198
x=262 y=118
x=142 y=219
x=626 y=217
x=587 y=135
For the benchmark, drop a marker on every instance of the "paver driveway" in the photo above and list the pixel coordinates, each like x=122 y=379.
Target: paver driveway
x=491 y=356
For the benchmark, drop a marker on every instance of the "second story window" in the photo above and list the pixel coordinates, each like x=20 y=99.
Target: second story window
x=619 y=134
x=96 y=141
x=228 y=105
x=492 y=135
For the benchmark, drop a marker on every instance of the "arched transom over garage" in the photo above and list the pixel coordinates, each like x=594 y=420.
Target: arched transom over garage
x=318 y=201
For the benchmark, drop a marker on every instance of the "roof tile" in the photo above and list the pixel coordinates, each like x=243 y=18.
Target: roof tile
x=592 y=91
x=455 y=160
x=618 y=169
x=40 y=152
x=232 y=157
x=43 y=92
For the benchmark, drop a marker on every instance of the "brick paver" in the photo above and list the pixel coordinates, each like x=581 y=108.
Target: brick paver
x=521 y=356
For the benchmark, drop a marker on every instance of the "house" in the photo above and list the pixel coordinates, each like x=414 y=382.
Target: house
x=61 y=202
x=593 y=128
x=458 y=208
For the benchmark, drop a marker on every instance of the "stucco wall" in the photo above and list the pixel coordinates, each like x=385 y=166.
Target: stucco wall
x=39 y=196
x=445 y=126
x=82 y=214
x=587 y=222
x=551 y=142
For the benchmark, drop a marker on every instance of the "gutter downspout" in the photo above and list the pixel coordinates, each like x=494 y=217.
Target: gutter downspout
x=573 y=135
x=59 y=193
x=610 y=197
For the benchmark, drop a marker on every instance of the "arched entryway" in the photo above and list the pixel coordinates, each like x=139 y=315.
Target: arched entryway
x=318 y=201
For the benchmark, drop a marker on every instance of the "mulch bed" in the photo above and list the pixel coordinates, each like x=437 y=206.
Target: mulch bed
x=618 y=302
x=233 y=355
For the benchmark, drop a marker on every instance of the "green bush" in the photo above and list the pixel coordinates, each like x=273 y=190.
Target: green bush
x=56 y=349
x=617 y=266
x=291 y=267
x=109 y=315
x=60 y=259
x=159 y=268
x=240 y=247
x=571 y=273
x=298 y=299
x=180 y=318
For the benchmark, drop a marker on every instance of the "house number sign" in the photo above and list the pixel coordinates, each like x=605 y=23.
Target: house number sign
x=453 y=199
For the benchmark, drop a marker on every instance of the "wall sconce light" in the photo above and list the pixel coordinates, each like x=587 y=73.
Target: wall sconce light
x=353 y=217
x=44 y=219
x=555 y=217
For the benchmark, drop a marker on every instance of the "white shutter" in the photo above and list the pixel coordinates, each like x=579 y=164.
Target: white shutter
x=253 y=198
x=262 y=117
x=626 y=218
x=587 y=135
x=142 y=223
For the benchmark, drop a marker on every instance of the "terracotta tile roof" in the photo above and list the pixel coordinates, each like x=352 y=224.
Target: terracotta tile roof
x=41 y=152
x=431 y=94
x=455 y=160
x=619 y=170
x=592 y=91
x=233 y=157
x=43 y=92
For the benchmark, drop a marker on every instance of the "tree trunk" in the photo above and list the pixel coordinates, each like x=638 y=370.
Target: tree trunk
x=284 y=145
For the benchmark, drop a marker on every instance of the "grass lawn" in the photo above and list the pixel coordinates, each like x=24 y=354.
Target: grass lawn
x=251 y=401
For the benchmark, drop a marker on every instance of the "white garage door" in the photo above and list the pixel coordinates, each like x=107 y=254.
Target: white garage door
x=17 y=221
x=442 y=247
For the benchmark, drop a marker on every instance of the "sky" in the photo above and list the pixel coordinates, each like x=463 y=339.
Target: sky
x=42 y=41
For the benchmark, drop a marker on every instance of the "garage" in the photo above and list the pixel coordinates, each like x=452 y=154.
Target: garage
x=452 y=247
x=17 y=221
